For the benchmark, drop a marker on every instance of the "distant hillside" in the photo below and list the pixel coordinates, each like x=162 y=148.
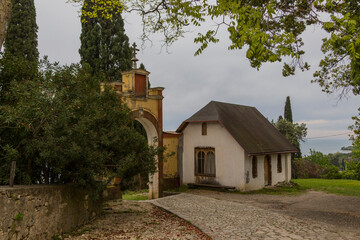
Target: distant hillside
x=348 y=148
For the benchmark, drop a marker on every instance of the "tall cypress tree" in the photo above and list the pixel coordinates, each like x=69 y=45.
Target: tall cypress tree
x=20 y=59
x=104 y=44
x=21 y=35
x=287 y=110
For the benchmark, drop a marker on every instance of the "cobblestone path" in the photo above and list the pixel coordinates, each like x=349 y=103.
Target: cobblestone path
x=222 y=219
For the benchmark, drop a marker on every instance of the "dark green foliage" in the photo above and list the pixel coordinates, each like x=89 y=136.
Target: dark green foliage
x=21 y=36
x=352 y=170
x=304 y=168
x=332 y=173
x=139 y=128
x=104 y=45
x=142 y=66
x=287 y=110
x=293 y=132
x=348 y=148
x=319 y=158
x=65 y=130
x=319 y=165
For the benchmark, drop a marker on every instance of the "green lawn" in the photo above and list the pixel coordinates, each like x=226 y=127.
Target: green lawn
x=137 y=196
x=336 y=186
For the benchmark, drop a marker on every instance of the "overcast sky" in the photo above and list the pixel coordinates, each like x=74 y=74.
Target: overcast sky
x=218 y=74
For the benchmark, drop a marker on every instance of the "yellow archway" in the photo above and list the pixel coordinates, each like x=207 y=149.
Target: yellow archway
x=146 y=106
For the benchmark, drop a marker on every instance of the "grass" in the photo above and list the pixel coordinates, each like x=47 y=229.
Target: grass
x=182 y=188
x=336 y=186
x=135 y=195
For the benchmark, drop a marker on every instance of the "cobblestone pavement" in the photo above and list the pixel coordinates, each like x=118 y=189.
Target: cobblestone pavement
x=222 y=219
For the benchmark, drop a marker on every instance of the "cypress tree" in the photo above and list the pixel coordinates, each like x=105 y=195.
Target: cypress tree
x=21 y=35
x=104 y=44
x=20 y=59
x=287 y=110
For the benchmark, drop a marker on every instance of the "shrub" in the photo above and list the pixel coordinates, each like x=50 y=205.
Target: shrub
x=306 y=169
x=349 y=174
x=332 y=172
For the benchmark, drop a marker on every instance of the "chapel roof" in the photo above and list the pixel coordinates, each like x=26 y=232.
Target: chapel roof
x=246 y=125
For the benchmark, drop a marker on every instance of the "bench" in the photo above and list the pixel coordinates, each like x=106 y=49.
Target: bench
x=201 y=185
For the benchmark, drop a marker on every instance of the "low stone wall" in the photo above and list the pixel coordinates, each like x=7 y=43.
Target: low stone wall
x=40 y=212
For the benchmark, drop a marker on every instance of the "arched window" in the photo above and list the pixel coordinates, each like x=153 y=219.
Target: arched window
x=279 y=164
x=210 y=163
x=200 y=162
x=254 y=167
x=205 y=162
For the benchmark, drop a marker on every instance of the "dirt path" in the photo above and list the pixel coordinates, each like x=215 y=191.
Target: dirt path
x=136 y=220
x=341 y=211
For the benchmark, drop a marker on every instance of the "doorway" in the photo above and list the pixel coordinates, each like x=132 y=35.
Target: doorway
x=267 y=170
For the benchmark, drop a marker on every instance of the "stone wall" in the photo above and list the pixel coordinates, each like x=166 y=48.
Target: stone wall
x=40 y=212
x=5 y=12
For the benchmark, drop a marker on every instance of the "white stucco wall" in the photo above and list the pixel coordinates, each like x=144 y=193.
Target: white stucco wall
x=277 y=177
x=259 y=181
x=233 y=165
x=229 y=155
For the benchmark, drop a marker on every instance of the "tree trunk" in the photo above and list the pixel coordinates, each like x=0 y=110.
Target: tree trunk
x=5 y=13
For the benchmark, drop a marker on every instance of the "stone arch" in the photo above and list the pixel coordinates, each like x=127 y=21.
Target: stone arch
x=150 y=124
x=154 y=138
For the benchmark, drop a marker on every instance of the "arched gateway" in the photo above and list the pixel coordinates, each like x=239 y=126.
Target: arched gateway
x=146 y=107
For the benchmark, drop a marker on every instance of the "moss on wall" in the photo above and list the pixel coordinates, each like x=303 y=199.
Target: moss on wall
x=45 y=211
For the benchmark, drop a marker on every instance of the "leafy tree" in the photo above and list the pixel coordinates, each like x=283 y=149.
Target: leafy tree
x=21 y=36
x=293 y=132
x=271 y=29
x=352 y=170
x=319 y=158
x=356 y=137
x=287 y=110
x=104 y=45
x=64 y=133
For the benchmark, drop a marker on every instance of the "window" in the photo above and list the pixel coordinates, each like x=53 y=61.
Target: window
x=254 y=167
x=204 y=128
x=279 y=165
x=205 y=162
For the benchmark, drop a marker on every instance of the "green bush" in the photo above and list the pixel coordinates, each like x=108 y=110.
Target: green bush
x=349 y=174
x=332 y=173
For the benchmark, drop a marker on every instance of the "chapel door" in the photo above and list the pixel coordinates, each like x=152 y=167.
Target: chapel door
x=267 y=170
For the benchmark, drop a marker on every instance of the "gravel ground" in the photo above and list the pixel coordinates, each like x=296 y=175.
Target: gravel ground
x=340 y=211
x=125 y=219
x=224 y=219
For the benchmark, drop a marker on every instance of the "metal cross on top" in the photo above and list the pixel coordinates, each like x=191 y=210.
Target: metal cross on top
x=134 y=59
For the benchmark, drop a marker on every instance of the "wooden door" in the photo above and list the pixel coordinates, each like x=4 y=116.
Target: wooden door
x=140 y=85
x=267 y=170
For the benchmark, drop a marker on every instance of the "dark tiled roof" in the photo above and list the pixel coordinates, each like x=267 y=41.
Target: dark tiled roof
x=247 y=126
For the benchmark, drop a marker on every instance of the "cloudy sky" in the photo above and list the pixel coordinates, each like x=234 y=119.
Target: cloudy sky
x=218 y=74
